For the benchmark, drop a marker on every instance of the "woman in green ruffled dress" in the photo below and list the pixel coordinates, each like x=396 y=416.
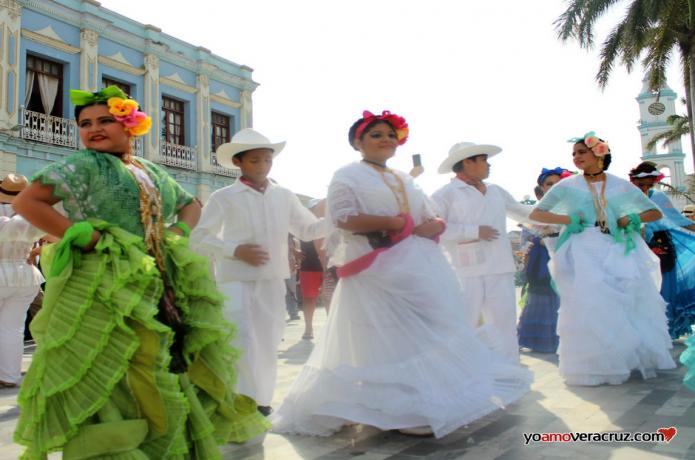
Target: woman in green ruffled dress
x=132 y=357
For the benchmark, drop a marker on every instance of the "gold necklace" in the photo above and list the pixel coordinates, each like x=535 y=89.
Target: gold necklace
x=398 y=191
x=151 y=213
x=600 y=204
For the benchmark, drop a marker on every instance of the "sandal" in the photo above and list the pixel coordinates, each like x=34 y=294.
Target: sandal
x=308 y=336
x=4 y=384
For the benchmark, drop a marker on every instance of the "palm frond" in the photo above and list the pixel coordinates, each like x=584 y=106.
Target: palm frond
x=579 y=19
x=680 y=126
x=673 y=191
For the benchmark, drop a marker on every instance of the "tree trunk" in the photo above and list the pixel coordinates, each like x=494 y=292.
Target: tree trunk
x=690 y=99
x=690 y=87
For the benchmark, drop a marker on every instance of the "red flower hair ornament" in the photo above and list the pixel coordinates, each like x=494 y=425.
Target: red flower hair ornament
x=398 y=124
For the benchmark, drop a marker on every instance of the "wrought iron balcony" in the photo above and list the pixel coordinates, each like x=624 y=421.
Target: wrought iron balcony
x=39 y=127
x=178 y=156
x=48 y=129
x=221 y=170
x=139 y=147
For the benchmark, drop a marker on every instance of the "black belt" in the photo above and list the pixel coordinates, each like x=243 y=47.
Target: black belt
x=603 y=230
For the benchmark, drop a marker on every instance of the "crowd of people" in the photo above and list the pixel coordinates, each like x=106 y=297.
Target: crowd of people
x=161 y=318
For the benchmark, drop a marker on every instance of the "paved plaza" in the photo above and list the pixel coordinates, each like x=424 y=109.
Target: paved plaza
x=550 y=407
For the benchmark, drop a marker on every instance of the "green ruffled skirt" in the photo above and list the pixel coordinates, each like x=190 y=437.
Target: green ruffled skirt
x=99 y=385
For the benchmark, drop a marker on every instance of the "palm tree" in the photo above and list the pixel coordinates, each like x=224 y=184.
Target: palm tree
x=651 y=30
x=680 y=126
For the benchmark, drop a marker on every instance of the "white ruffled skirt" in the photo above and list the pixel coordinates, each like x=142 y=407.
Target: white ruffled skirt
x=397 y=353
x=612 y=318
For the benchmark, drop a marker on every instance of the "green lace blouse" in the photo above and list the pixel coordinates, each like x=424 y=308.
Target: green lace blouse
x=96 y=184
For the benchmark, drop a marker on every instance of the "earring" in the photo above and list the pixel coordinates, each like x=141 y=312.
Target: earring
x=600 y=163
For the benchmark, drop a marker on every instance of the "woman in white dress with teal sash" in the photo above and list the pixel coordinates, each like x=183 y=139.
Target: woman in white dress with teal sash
x=612 y=318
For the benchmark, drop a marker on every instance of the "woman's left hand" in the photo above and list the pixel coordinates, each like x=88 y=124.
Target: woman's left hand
x=623 y=222
x=176 y=230
x=428 y=229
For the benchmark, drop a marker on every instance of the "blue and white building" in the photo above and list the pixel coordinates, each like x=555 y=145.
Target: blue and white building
x=197 y=100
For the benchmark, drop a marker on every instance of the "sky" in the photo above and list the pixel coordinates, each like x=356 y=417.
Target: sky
x=489 y=72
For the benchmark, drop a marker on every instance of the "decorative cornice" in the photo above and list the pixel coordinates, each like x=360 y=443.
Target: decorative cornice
x=89 y=36
x=13 y=8
x=176 y=84
x=113 y=63
x=664 y=156
x=49 y=41
x=234 y=80
x=107 y=30
x=225 y=101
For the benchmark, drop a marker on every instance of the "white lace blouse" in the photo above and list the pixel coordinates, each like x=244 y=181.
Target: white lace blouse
x=360 y=189
x=17 y=237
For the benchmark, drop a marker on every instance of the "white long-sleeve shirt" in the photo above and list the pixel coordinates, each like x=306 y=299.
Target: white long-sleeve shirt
x=238 y=214
x=465 y=209
x=17 y=237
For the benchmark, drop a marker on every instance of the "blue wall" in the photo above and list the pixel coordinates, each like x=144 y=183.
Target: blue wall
x=109 y=48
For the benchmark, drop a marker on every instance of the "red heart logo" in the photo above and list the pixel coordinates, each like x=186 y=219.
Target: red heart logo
x=668 y=433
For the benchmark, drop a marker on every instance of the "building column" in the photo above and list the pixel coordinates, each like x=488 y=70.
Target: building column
x=89 y=42
x=246 y=110
x=10 y=33
x=203 y=128
x=152 y=106
x=203 y=192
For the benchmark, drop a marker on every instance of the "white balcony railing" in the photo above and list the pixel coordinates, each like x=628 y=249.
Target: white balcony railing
x=221 y=170
x=178 y=156
x=48 y=129
x=139 y=147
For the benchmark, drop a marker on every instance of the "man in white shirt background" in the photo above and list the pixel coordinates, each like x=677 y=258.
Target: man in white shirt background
x=476 y=242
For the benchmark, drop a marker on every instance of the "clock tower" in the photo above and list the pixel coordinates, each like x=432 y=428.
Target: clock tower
x=655 y=108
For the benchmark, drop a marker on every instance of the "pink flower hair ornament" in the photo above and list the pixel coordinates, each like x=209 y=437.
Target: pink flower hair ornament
x=596 y=145
x=398 y=123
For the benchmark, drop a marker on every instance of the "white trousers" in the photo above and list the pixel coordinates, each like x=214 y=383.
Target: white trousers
x=495 y=297
x=14 y=303
x=257 y=308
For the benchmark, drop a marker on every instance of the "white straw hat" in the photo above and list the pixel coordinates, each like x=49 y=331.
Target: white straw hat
x=464 y=150
x=246 y=139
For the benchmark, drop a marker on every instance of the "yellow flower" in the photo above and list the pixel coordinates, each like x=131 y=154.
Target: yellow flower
x=121 y=107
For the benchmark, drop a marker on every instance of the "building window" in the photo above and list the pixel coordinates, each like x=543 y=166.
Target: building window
x=125 y=87
x=44 y=86
x=173 y=121
x=221 y=130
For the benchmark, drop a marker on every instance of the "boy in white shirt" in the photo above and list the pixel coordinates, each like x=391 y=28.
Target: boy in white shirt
x=476 y=241
x=244 y=229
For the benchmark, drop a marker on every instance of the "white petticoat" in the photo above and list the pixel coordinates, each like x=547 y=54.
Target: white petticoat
x=397 y=353
x=612 y=318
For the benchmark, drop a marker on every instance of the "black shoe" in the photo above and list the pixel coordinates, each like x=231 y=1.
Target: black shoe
x=265 y=410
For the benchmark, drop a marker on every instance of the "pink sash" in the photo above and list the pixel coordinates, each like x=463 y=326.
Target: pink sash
x=364 y=262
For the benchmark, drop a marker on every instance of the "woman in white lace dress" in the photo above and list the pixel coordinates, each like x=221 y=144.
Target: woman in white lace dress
x=396 y=352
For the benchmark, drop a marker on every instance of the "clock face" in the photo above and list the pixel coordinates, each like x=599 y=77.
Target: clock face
x=656 y=108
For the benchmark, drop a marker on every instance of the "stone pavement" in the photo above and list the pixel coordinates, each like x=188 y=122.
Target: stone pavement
x=551 y=406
